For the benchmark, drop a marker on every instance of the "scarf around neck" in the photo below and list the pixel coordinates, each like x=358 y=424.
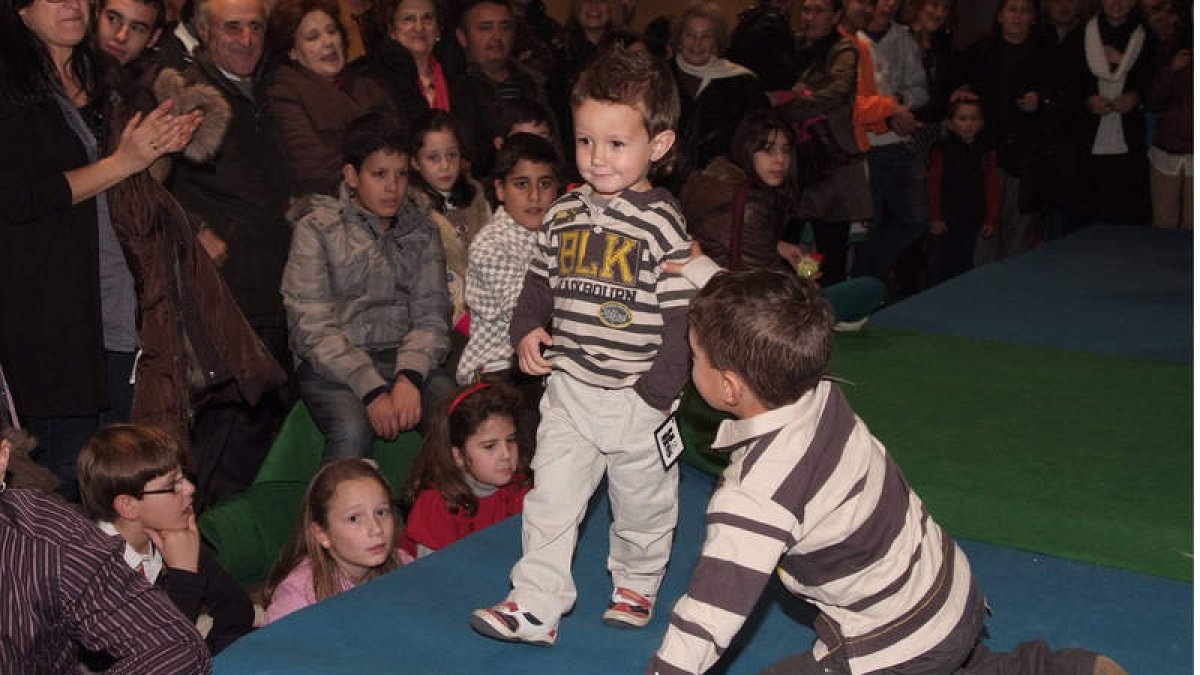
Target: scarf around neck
x=715 y=69
x=1110 y=136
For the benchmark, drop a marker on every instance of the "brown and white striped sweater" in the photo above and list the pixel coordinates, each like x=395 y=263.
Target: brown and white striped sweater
x=812 y=493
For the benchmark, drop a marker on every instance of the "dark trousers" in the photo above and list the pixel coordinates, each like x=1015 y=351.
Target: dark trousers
x=230 y=440
x=949 y=255
x=899 y=212
x=61 y=438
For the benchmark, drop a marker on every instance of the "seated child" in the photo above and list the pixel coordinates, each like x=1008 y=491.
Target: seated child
x=131 y=483
x=525 y=115
x=345 y=538
x=473 y=470
x=618 y=352
x=526 y=183
x=365 y=294
x=455 y=202
x=810 y=493
x=964 y=193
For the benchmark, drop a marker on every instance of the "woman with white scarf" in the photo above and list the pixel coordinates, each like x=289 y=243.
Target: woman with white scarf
x=714 y=93
x=1117 y=73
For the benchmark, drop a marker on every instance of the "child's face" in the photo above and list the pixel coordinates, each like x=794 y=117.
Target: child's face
x=966 y=122
x=773 y=161
x=1016 y=19
x=707 y=379
x=439 y=160
x=490 y=455
x=166 y=510
x=382 y=182
x=361 y=527
x=527 y=191
x=612 y=149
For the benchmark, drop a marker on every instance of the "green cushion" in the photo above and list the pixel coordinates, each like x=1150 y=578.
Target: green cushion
x=248 y=530
x=698 y=424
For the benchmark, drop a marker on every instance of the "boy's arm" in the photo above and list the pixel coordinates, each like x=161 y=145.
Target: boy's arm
x=315 y=334
x=228 y=605
x=747 y=534
x=535 y=304
x=661 y=384
x=429 y=310
x=486 y=293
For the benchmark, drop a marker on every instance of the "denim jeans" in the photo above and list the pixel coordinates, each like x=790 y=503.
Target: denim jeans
x=340 y=414
x=900 y=214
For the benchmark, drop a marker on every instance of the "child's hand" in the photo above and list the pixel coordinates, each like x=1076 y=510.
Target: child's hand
x=406 y=401
x=529 y=352
x=180 y=549
x=789 y=252
x=675 y=267
x=988 y=231
x=937 y=227
x=384 y=420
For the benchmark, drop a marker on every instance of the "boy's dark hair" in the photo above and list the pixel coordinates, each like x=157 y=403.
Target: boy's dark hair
x=524 y=110
x=528 y=147
x=119 y=460
x=373 y=132
x=435 y=467
x=159 y=7
x=632 y=78
x=963 y=102
x=773 y=329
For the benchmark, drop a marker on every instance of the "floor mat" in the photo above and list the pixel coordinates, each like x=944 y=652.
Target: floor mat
x=1122 y=291
x=1083 y=456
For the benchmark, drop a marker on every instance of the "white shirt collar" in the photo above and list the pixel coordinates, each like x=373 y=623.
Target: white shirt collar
x=151 y=563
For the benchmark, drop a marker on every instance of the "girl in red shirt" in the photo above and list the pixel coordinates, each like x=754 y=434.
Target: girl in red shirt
x=472 y=472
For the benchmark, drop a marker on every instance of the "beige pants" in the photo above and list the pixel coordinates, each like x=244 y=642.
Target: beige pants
x=585 y=432
x=1171 y=198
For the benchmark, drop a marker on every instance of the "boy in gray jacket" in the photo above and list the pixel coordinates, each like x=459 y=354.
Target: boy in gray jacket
x=365 y=293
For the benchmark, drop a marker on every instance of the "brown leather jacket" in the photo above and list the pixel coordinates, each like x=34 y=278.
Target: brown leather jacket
x=708 y=199
x=196 y=344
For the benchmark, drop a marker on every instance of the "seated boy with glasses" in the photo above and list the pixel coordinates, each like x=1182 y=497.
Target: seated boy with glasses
x=131 y=483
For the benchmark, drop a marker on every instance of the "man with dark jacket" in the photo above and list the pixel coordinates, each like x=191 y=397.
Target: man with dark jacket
x=239 y=196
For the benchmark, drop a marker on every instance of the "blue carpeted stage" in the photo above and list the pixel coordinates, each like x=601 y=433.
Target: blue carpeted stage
x=415 y=619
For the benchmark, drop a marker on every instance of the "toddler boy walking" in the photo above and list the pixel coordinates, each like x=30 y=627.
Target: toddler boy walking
x=617 y=355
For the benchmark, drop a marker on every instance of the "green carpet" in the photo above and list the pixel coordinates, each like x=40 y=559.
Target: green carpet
x=1080 y=456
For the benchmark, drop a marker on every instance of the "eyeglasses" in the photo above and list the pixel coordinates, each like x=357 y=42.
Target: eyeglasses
x=176 y=487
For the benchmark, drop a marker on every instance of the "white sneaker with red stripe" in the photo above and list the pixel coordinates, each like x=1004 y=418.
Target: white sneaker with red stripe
x=507 y=621
x=628 y=609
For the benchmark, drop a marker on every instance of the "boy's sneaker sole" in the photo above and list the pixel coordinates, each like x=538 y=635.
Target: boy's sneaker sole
x=506 y=626
x=628 y=609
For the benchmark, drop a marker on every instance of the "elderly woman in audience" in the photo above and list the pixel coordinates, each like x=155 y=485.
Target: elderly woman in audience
x=309 y=96
x=714 y=93
x=70 y=333
x=1116 y=69
x=400 y=56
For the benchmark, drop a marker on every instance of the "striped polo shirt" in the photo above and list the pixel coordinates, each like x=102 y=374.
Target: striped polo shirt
x=812 y=494
x=611 y=306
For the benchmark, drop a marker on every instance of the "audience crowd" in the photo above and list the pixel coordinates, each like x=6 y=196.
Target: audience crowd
x=190 y=238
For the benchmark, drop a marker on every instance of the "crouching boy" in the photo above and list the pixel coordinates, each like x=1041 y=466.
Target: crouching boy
x=810 y=492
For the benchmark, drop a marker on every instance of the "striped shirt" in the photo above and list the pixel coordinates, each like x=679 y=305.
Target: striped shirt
x=65 y=584
x=615 y=319
x=810 y=492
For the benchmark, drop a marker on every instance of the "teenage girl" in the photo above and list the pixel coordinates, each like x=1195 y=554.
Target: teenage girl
x=453 y=200
x=473 y=470
x=346 y=537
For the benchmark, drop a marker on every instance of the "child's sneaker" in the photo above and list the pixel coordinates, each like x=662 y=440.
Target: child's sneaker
x=507 y=621
x=628 y=609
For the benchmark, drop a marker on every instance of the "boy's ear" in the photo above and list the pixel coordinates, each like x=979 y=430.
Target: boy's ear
x=127 y=507
x=734 y=390
x=350 y=174
x=661 y=143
